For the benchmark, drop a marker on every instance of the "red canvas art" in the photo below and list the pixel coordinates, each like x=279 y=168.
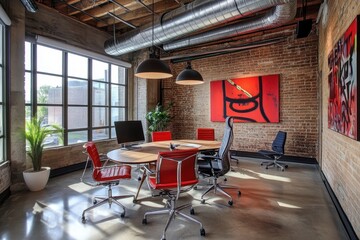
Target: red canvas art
x=343 y=90
x=252 y=99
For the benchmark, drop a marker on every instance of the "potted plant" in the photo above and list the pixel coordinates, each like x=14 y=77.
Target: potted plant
x=36 y=133
x=159 y=118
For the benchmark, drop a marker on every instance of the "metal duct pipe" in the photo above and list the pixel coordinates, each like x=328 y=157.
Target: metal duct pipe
x=276 y=17
x=30 y=5
x=185 y=20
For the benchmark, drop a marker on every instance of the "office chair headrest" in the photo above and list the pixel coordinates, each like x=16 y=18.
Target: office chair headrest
x=229 y=121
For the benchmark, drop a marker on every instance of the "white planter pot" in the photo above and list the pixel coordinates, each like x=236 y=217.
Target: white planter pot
x=36 y=181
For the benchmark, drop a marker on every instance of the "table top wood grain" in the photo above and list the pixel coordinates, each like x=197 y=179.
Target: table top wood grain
x=148 y=152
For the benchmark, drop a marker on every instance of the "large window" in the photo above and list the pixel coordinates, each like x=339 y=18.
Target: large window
x=2 y=92
x=81 y=94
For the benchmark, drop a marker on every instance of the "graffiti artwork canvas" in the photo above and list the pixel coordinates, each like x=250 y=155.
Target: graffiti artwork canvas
x=251 y=99
x=343 y=83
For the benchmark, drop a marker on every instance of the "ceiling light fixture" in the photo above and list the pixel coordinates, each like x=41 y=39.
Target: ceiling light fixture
x=153 y=68
x=189 y=76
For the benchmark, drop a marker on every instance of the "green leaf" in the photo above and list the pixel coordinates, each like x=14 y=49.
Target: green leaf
x=159 y=118
x=35 y=134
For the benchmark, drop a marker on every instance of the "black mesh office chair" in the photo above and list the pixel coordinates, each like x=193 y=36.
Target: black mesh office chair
x=277 y=151
x=218 y=165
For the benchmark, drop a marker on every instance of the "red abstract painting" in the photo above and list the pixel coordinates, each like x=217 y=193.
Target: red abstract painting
x=252 y=99
x=343 y=90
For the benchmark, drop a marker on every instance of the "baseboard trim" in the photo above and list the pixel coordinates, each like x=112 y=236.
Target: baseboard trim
x=67 y=169
x=5 y=195
x=347 y=224
x=285 y=158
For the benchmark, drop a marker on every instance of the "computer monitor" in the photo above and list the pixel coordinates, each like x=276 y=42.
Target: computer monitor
x=129 y=132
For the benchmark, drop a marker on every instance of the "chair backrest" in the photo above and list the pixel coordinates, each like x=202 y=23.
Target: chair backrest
x=278 y=144
x=205 y=134
x=177 y=167
x=161 y=136
x=93 y=154
x=224 y=151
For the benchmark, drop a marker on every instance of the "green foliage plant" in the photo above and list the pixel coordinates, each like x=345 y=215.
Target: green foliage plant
x=35 y=133
x=159 y=118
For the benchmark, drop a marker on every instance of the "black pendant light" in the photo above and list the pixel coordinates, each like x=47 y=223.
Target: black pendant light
x=153 y=68
x=189 y=76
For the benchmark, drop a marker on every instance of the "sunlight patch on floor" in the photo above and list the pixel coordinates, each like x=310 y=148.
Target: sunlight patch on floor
x=271 y=177
x=240 y=175
x=286 y=205
x=80 y=187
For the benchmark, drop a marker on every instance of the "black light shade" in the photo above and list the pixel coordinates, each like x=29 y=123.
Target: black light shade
x=153 y=68
x=189 y=76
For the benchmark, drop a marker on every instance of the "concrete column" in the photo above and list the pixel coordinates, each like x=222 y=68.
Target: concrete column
x=17 y=153
x=146 y=93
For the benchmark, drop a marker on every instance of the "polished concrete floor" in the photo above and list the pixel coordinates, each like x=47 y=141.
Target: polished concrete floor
x=273 y=205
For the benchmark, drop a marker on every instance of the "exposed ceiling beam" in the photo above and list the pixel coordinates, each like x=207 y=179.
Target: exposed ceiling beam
x=111 y=7
x=140 y=13
x=121 y=20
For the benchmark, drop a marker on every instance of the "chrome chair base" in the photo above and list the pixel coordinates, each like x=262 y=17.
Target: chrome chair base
x=173 y=211
x=109 y=199
x=274 y=163
x=220 y=188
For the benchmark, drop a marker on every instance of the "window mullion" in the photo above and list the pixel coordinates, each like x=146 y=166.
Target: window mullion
x=33 y=80
x=65 y=97
x=90 y=99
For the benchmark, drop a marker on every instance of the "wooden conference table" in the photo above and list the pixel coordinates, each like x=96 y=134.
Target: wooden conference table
x=148 y=152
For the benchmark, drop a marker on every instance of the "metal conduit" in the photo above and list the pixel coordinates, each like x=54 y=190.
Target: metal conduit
x=276 y=17
x=185 y=20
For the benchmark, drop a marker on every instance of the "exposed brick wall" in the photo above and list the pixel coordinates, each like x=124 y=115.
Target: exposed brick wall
x=4 y=177
x=340 y=159
x=296 y=62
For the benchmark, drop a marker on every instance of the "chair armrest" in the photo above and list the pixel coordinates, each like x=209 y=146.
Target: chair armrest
x=209 y=157
x=148 y=170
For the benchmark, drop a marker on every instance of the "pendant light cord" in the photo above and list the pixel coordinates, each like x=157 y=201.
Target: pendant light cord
x=114 y=24
x=152 y=31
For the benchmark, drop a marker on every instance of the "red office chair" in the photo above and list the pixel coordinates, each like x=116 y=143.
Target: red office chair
x=205 y=134
x=161 y=136
x=105 y=175
x=175 y=173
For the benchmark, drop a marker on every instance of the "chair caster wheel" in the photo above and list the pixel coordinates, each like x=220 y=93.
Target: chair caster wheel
x=202 y=232
x=94 y=202
x=225 y=179
x=239 y=193
x=282 y=169
x=202 y=201
x=286 y=166
x=230 y=203
x=261 y=164
x=83 y=220
x=144 y=221
x=266 y=168
x=192 y=211
x=122 y=215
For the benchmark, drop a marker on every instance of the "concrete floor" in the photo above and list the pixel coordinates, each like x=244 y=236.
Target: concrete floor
x=274 y=205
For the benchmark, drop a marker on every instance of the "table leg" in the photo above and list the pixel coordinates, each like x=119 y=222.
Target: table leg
x=141 y=183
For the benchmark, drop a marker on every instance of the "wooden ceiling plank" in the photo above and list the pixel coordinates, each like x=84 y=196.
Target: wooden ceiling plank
x=110 y=7
x=63 y=4
x=84 y=6
x=141 y=13
x=119 y=11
